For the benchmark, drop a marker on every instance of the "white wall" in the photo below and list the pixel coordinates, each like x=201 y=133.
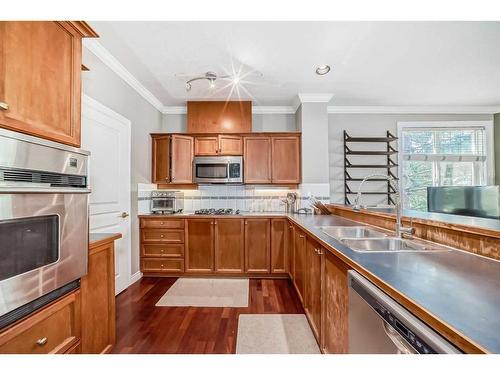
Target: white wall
x=103 y=85
x=176 y=123
x=370 y=125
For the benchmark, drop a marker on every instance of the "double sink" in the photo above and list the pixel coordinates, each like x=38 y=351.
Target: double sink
x=367 y=239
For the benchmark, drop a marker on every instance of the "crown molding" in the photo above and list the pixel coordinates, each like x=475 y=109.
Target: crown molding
x=314 y=98
x=111 y=62
x=415 y=109
x=257 y=110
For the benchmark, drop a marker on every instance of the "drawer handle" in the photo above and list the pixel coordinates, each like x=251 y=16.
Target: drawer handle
x=4 y=106
x=161 y=251
x=42 y=341
x=161 y=222
x=161 y=236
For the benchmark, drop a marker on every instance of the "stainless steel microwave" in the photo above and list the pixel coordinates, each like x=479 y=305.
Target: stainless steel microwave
x=218 y=170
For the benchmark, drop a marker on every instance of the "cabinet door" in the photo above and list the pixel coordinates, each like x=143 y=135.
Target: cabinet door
x=335 y=306
x=257 y=245
x=229 y=245
x=230 y=145
x=98 y=301
x=286 y=160
x=290 y=246
x=199 y=245
x=257 y=160
x=40 y=67
x=161 y=159
x=299 y=262
x=313 y=285
x=182 y=159
x=279 y=251
x=206 y=146
x=219 y=117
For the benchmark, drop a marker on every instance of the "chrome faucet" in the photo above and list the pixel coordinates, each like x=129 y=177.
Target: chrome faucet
x=400 y=229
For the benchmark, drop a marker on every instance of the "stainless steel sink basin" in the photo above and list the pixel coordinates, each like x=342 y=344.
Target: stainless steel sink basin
x=352 y=232
x=391 y=244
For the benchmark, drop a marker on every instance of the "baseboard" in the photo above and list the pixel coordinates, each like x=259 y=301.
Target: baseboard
x=135 y=277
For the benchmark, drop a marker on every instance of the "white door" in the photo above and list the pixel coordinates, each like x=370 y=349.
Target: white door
x=106 y=134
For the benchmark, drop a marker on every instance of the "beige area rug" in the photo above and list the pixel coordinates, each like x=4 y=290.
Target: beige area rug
x=206 y=293
x=275 y=334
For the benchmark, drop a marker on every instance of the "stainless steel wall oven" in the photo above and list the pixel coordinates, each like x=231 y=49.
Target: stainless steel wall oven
x=43 y=222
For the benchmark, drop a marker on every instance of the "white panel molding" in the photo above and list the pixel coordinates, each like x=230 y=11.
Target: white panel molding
x=314 y=98
x=415 y=109
x=259 y=110
x=111 y=62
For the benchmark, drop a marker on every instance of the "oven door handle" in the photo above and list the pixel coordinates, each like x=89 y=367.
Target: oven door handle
x=43 y=189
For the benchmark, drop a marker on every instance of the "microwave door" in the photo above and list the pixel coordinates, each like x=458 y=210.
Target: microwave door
x=211 y=172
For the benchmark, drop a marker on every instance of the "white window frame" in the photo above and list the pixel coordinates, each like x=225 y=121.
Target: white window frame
x=490 y=145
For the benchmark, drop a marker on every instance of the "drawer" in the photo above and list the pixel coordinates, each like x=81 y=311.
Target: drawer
x=158 y=235
x=54 y=329
x=162 y=223
x=162 y=265
x=169 y=250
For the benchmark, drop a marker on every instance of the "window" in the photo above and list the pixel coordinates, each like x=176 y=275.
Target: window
x=441 y=154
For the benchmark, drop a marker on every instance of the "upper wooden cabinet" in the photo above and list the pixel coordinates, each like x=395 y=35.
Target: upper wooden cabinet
x=285 y=160
x=257 y=160
x=182 y=159
x=40 y=86
x=172 y=161
x=219 y=117
x=221 y=144
x=272 y=159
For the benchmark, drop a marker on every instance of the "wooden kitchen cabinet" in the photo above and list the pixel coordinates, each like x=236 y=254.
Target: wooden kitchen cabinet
x=312 y=300
x=55 y=328
x=285 y=160
x=161 y=159
x=257 y=160
x=199 y=245
x=220 y=145
x=279 y=245
x=335 y=306
x=182 y=160
x=219 y=117
x=98 y=300
x=40 y=85
x=229 y=245
x=257 y=245
x=299 y=263
x=162 y=246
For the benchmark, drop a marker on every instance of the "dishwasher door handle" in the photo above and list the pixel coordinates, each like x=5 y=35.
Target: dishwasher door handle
x=402 y=346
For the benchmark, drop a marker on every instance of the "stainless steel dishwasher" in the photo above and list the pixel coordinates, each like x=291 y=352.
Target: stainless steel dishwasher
x=379 y=325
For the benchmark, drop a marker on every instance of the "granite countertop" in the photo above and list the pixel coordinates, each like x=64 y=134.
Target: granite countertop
x=458 y=289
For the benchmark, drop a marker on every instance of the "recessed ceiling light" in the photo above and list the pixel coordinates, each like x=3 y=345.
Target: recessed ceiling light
x=322 y=70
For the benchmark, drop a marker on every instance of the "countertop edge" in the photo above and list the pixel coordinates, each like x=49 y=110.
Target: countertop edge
x=102 y=238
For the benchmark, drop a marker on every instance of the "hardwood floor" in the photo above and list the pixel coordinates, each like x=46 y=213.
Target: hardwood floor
x=143 y=328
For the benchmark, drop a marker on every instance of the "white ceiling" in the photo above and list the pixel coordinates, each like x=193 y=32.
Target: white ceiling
x=373 y=63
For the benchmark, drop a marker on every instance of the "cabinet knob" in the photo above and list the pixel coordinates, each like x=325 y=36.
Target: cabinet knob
x=161 y=236
x=4 y=106
x=42 y=341
x=161 y=251
x=161 y=223
x=215 y=223
x=124 y=214
x=301 y=236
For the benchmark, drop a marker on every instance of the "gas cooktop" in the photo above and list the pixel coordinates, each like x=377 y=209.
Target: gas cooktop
x=220 y=211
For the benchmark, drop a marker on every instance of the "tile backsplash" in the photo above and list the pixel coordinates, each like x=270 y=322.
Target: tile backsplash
x=238 y=197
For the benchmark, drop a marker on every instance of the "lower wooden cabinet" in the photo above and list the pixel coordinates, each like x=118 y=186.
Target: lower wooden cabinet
x=299 y=262
x=53 y=329
x=98 y=300
x=229 y=245
x=335 y=306
x=257 y=245
x=312 y=300
x=279 y=244
x=200 y=245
